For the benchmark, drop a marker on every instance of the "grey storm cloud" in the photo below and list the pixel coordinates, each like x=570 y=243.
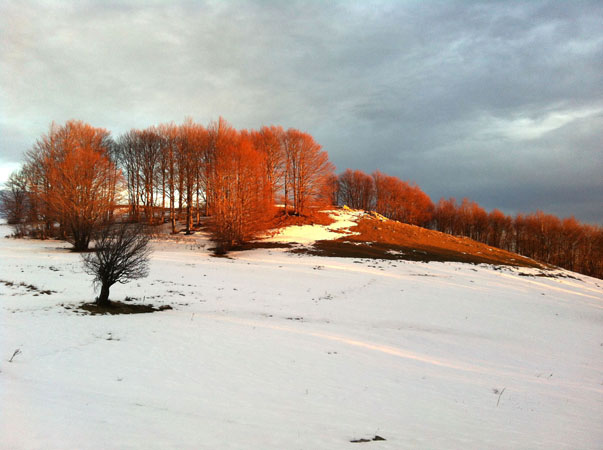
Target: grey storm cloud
x=501 y=102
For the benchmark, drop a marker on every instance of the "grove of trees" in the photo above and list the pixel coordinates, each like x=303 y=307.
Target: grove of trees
x=565 y=243
x=389 y=196
x=67 y=186
x=234 y=177
x=544 y=237
x=75 y=176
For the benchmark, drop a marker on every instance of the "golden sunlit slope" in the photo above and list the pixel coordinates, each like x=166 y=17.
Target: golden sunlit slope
x=375 y=236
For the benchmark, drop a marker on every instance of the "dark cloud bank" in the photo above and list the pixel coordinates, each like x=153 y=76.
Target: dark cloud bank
x=501 y=102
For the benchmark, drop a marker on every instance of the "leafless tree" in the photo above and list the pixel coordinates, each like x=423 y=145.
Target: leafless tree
x=170 y=175
x=241 y=203
x=193 y=139
x=72 y=181
x=122 y=254
x=307 y=172
x=129 y=159
x=357 y=190
x=14 y=202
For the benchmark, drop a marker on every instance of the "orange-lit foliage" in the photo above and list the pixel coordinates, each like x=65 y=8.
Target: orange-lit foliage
x=332 y=192
x=357 y=190
x=401 y=201
x=388 y=192
x=74 y=180
x=69 y=179
x=565 y=243
x=445 y=216
x=500 y=229
x=416 y=206
x=37 y=170
x=186 y=165
x=193 y=139
x=472 y=220
x=269 y=142
x=467 y=219
x=307 y=172
x=240 y=204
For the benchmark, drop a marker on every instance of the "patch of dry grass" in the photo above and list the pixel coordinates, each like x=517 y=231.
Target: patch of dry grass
x=381 y=238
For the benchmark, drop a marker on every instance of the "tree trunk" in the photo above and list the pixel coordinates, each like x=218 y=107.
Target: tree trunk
x=137 y=203
x=189 y=219
x=162 y=196
x=198 y=206
x=189 y=211
x=80 y=241
x=103 y=298
x=173 y=214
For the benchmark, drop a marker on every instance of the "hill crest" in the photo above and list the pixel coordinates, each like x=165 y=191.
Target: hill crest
x=359 y=234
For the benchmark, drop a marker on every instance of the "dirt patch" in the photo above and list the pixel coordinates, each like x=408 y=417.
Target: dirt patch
x=115 y=307
x=259 y=244
x=219 y=252
x=362 y=440
x=28 y=287
x=379 y=238
x=312 y=218
x=548 y=275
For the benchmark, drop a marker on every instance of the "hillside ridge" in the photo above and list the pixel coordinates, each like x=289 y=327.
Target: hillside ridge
x=362 y=234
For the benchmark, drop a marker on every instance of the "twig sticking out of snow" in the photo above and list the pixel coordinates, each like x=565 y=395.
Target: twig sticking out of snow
x=16 y=352
x=499 y=395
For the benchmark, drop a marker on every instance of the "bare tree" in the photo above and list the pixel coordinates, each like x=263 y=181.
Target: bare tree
x=150 y=142
x=122 y=254
x=241 y=197
x=193 y=139
x=357 y=190
x=307 y=172
x=71 y=181
x=170 y=135
x=269 y=141
x=14 y=202
x=129 y=158
x=401 y=200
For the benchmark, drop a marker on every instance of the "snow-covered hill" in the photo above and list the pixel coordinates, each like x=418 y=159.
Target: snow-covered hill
x=273 y=350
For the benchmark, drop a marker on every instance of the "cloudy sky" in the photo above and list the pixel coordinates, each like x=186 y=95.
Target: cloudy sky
x=501 y=102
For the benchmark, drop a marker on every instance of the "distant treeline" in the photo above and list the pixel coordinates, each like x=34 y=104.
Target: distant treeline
x=75 y=175
x=544 y=237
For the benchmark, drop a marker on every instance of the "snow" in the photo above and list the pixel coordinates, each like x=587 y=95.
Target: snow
x=307 y=234
x=274 y=350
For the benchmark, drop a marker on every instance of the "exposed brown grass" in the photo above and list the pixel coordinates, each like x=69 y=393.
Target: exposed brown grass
x=387 y=239
x=282 y=220
x=116 y=307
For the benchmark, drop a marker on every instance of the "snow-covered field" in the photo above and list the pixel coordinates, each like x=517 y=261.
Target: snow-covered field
x=272 y=350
